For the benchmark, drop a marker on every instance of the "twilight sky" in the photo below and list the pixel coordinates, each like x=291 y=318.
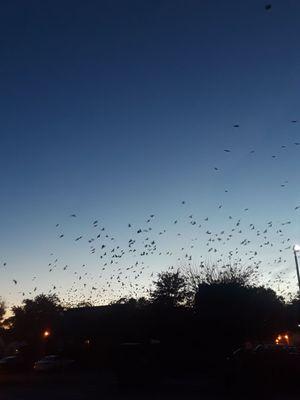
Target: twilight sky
x=115 y=110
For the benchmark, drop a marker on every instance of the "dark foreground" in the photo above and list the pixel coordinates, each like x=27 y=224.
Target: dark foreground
x=100 y=385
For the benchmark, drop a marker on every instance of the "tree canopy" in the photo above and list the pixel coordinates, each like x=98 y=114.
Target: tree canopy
x=170 y=289
x=35 y=315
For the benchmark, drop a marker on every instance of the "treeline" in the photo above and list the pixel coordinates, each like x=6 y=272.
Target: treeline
x=195 y=314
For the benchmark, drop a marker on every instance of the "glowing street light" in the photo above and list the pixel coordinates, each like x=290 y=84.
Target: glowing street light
x=46 y=334
x=296 y=250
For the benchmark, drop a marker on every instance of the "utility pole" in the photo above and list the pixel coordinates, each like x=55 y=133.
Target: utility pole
x=296 y=249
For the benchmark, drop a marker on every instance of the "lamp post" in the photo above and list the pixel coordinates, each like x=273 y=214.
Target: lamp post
x=296 y=250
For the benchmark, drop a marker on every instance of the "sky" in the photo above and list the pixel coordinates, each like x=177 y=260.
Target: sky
x=116 y=110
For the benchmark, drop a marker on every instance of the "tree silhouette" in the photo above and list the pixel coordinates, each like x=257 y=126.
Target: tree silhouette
x=170 y=289
x=226 y=274
x=34 y=316
x=132 y=302
x=233 y=308
x=2 y=309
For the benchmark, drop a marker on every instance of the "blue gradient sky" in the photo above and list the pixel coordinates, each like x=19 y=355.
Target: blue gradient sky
x=115 y=110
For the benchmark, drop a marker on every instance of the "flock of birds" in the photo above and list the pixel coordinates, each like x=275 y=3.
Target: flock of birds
x=125 y=267
x=126 y=270
x=119 y=268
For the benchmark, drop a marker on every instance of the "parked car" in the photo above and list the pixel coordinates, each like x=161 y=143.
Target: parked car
x=275 y=348
x=12 y=363
x=266 y=364
x=52 y=363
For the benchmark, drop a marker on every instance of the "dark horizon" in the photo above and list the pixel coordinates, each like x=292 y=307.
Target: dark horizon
x=115 y=112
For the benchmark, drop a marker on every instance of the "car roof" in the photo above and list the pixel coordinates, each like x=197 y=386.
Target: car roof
x=51 y=357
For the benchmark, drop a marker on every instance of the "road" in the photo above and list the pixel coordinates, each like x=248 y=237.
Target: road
x=96 y=385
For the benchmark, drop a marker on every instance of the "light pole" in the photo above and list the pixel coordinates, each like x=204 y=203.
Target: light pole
x=296 y=250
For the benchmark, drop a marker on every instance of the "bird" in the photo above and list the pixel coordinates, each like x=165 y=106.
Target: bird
x=268 y=7
x=227 y=151
x=73 y=215
x=236 y=125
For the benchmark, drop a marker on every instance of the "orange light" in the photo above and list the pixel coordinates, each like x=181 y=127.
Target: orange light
x=286 y=336
x=279 y=337
x=46 y=334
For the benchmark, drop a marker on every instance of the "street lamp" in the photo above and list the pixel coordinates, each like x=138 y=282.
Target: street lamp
x=296 y=250
x=46 y=334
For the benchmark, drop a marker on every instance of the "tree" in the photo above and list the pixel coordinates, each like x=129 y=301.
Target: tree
x=170 y=289
x=226 y=274
x=231 y=307
x=34 y=316
x=84 y=304
x=292 y=313
x=131 y=301
x=2 y=309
